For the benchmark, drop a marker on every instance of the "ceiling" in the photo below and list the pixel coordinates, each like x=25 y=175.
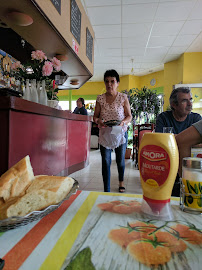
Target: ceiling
x=138 y=37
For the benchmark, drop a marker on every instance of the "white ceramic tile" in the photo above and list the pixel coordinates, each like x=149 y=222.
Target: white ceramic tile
x=192 y=27
x=94 y=3
x=156 y=41
x=107 y=31
x=129 y=2
x=184 y=40
x=138 y=13
x=113 y=43
x=141 y=23
x=173 y=11
x=104 y=60
x=177 y=50
x=135 y=42
x=197 y=11
x=136 y=29
x=104 y=15
x=108 y=66
x=155 y=54
x=138 y=51
x=110 y=52
x=166 y=28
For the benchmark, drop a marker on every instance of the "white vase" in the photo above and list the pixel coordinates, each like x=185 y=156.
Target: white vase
x=39 y=91
x=27 y=94
x=53 y=103
x=43 y=95
x=34 y=94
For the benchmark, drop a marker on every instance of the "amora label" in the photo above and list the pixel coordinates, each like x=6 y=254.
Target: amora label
x=154 y=165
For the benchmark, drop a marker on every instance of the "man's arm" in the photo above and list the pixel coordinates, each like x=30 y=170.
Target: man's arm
x=185 y=140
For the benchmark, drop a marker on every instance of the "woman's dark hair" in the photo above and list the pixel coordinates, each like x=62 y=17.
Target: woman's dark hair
x=174 y=95
x=82 y=101
x=112 y=73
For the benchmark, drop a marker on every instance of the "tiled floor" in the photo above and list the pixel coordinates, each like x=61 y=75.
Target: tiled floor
x=90 y=178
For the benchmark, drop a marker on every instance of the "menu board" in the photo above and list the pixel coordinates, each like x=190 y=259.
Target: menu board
x=89 y=45
x=57 y=5
x=75 y=27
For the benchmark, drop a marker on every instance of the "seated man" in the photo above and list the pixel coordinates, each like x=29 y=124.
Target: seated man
x=188 y=138
x=180 y=117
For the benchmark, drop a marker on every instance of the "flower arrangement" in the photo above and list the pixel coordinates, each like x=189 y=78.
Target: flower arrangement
x=52 y=90
x=39 y=68
x=90 y=106
x=144 y=103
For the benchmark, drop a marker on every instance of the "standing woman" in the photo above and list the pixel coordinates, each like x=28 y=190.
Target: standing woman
x=112 y=105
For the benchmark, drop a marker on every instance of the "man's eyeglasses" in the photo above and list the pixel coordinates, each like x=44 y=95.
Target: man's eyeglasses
x=187 y=101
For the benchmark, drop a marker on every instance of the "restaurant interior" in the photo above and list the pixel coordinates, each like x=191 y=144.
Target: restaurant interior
x=54 y=213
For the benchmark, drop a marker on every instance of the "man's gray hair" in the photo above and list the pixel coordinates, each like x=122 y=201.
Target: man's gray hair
x=174 y=95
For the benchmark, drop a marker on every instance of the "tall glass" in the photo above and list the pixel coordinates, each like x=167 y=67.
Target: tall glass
x=168 y=130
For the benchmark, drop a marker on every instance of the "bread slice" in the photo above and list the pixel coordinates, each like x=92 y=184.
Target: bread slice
x=32 y=201
x=14 y=182
x=58 y=184
x=43 y=191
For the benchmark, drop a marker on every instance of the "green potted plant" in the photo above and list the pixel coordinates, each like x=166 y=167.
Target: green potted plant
x=130 y=142
x=144 y=103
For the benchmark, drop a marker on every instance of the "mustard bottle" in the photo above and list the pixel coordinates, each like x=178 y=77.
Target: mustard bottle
x=158 y=161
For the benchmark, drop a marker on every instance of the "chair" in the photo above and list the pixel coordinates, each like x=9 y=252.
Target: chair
x=142 y=129
x=135 y=136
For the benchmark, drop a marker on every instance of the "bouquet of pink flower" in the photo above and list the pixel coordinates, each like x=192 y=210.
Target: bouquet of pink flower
x=39 y=68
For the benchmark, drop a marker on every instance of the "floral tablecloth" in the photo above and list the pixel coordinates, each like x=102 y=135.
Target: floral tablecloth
x=95 y=230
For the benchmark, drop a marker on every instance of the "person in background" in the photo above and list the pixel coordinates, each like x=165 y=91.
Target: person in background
x=180 y=117
x=112 y=105
x=186 y=139
x=80 y=109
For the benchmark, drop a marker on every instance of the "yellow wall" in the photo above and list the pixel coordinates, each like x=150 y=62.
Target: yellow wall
x=126 y=82
x=186 y=69
x=158 y=76
x=192 y=72
x=134 y=82
x=172 y=75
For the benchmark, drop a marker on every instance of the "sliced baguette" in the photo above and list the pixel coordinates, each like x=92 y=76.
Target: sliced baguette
x=60 y=185
x=14 y=182
x=32 y=201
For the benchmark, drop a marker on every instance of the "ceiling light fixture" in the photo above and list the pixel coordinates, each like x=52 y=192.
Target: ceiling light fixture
x=74 y=82
x=19 y=18
x=62 y=57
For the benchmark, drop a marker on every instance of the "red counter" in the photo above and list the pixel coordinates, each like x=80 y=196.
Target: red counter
x=58 y=142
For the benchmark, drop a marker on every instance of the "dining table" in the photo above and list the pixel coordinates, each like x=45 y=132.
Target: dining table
x=97 y=230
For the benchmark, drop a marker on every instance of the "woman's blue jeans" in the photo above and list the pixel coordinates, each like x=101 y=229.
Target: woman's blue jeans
x=106 y=163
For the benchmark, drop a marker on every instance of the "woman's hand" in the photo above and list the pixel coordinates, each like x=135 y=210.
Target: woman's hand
x=122 y=124
x=100 y=123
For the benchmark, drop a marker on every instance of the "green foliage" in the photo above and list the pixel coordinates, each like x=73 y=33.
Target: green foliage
x=51 y=93
x=143 y=101
x=130 y=143
x=82 y=261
